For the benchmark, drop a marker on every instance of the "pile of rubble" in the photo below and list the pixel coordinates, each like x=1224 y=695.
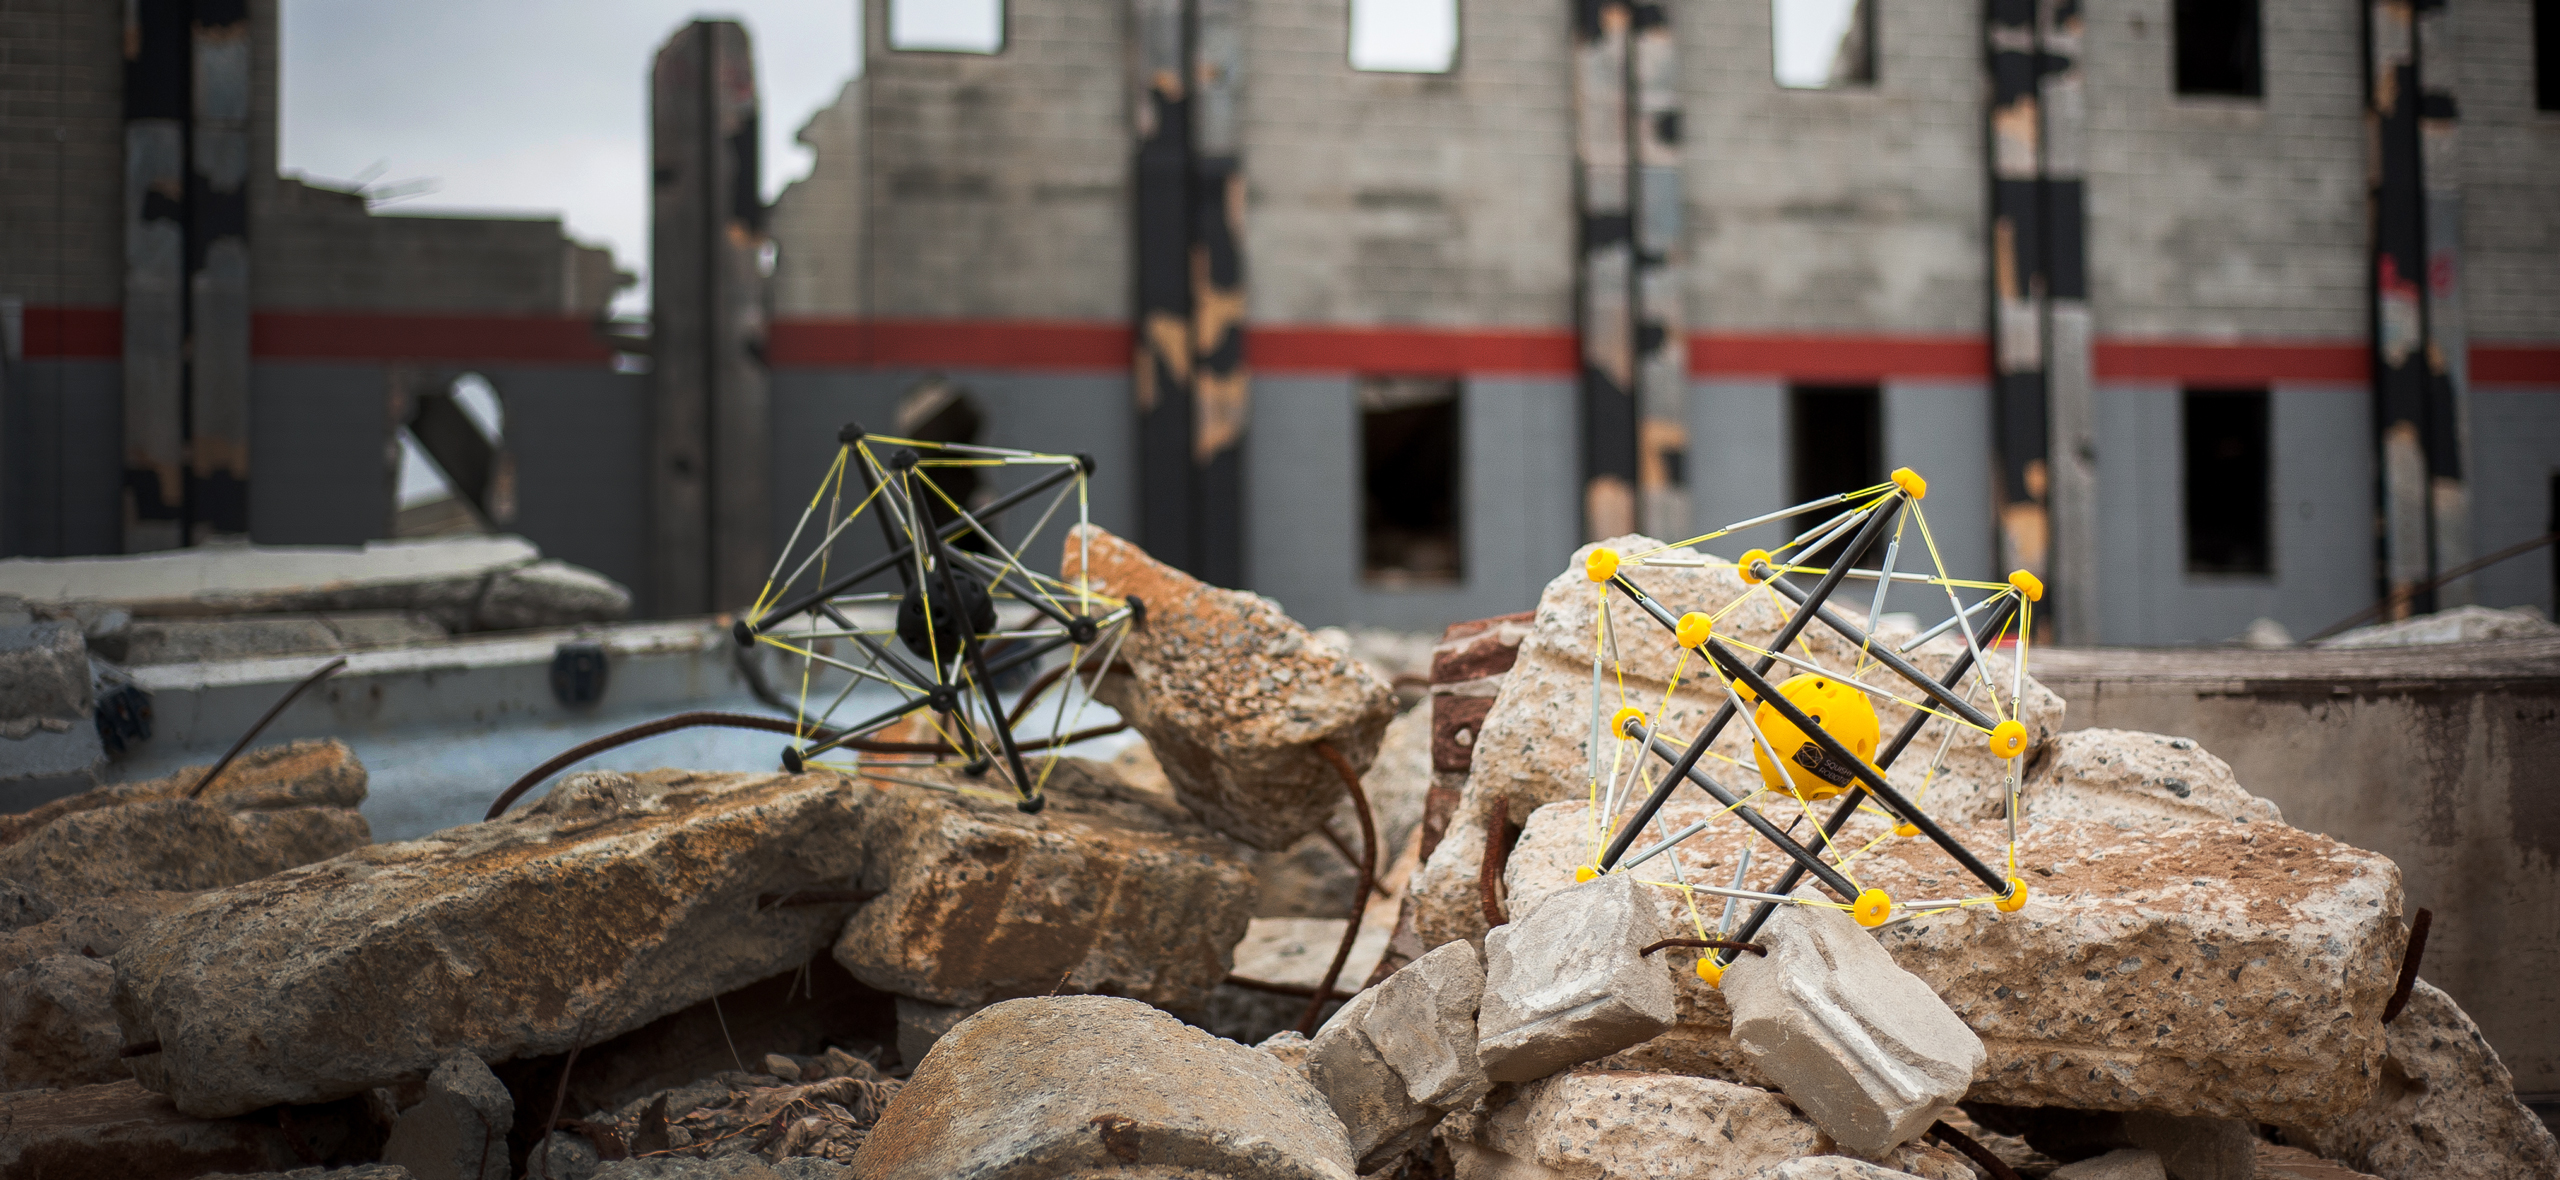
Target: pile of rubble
x=900 y=974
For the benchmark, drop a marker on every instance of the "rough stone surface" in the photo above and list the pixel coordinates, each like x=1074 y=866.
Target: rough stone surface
x=21 y=907
x=2461 y=624
x=60 y=1029
x=1861 y=1045
x=513 y=938
x=2279 y=1162
x=1108 y=890
x=921 y=1024
x=357 y=1172
x=726 y=1167
x=2224 y=970
x=120 y=1131
x=463 y=583
x=2446 y=1107
x=182 y=641
x=1566 y=985
x=1290 y=1046
x=1828 y=1167
x=1591 y=1123
x=44 y=677
x=1532 y=748
x=1075 y=1084
x=458 y=1131
x=2138 y=780
x=2124 y=1163
x=1233 y=696
x=1311 y=878
x=1400 y=1055
x=273 y=808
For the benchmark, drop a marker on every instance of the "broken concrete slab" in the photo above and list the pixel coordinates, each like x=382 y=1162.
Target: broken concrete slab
x=463 y=583
x=458 y=1131
x=62 y=1031
x=743 y=1166
x=175 y=844
x=1108 y=890
x=2446 y=1107
x=313 y=772
x=353 y=1172
x=2461 y=624
x=2224 y=970
x=1606 y=1123
x=2280 y=1162
x=44 y=677
x=1532 y=747
x=1828 y=1167
x=21 y=906
x=1233 y=696
x=1073 y=1085
x=142 y=642
x=513 y=938
x=2123 y=1163
x=121 y=1131
x=1566 y=984
x=2138 y=780
x=1861 y=1045
x=1402 y=1054
x=1312 y=878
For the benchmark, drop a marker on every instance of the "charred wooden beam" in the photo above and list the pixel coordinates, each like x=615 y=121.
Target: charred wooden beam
x=1160 y=374
x=2071 y=607
x=2020 y=431
x=1221 y=389
x=1605 y=308
x=1660 y=347
x=217 y=395
x=158 y=57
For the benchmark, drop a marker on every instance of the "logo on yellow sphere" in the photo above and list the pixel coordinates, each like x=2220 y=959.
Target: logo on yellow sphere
x=1841 y=711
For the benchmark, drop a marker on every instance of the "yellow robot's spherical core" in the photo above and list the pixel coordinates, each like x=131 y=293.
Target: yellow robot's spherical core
x=1911 y=483
x=1750 y=559
x=1601 y=566
x=2009 y=738
x=1582 y=873
x=1841 y=711
x=1710 y=970
x=2028 y=584
x=1693 y=629
x=2017 y=899
x=1872 y=908
x=1618 y=723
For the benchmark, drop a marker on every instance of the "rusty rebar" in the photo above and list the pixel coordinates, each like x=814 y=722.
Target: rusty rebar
x=326 y=671
x=1359 y=890
x=1716 y=944
x=1999 y=1168
x=1497 y=855
x=2409 y=963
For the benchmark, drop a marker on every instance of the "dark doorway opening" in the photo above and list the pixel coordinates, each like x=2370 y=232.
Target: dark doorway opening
x=938 y=411
x=2226 y=482
x=2546 y=55
x=1835 y=443
x=1409 y=467
x=2218 y=48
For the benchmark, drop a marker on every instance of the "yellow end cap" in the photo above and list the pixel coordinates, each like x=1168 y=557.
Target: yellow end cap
x=1911 y=483
x=1618 y=722
x=1582 y=873
x=1710 y=970
x=1601 y=566
x=2028 y=584
x=1906 y=831
x=2009 y=738
x=1872 y=908
x=1750 y=559
x=2017 y=899
x=1693 y=629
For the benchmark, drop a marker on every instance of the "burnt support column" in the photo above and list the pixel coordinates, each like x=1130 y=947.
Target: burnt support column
x=1193 y=393
x=1160 y=374
x=1602 y=30
x=217 y=412
x=2448 y=345
x=1661 y=325
x=2020 y=431
x=710 y=518
x=2072 y=606
x=2416 y=371
x=158 y=57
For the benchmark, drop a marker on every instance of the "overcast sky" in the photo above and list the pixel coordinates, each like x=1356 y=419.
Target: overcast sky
x=543 y=108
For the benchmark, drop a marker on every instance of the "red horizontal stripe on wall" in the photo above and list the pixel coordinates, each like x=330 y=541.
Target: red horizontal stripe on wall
x=2509 y=364
x=90 y=332
x=1307 y=348
x=1844 y=356
x=809 y=342
x=335 y=335
x=2247 y=361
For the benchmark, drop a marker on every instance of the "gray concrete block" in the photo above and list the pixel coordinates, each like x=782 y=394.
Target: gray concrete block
x=1565 y=984
x=1861 y=1045
x=458 y=1131
x=1400 y=1055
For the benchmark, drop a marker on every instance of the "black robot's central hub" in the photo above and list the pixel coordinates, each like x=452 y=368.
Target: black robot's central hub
x=974 y=613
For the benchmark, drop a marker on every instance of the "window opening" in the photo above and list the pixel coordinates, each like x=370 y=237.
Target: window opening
x=2218 y=48
x=1823 y=44
x=1836 y=444
x=455 y=475
x=2546 y=55
x=2226 y=481
x=947 y=26
x=1404 y=36
x=940 y=412
x=1409 y=467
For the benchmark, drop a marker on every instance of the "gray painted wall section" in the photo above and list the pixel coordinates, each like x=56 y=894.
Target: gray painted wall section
x=580 y=437
x=2321 y=500
x=1302 y=503
x=2515 y=448
x=61 y=421
x=320 y=473
x=1938 y=428
x=1737 y=458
